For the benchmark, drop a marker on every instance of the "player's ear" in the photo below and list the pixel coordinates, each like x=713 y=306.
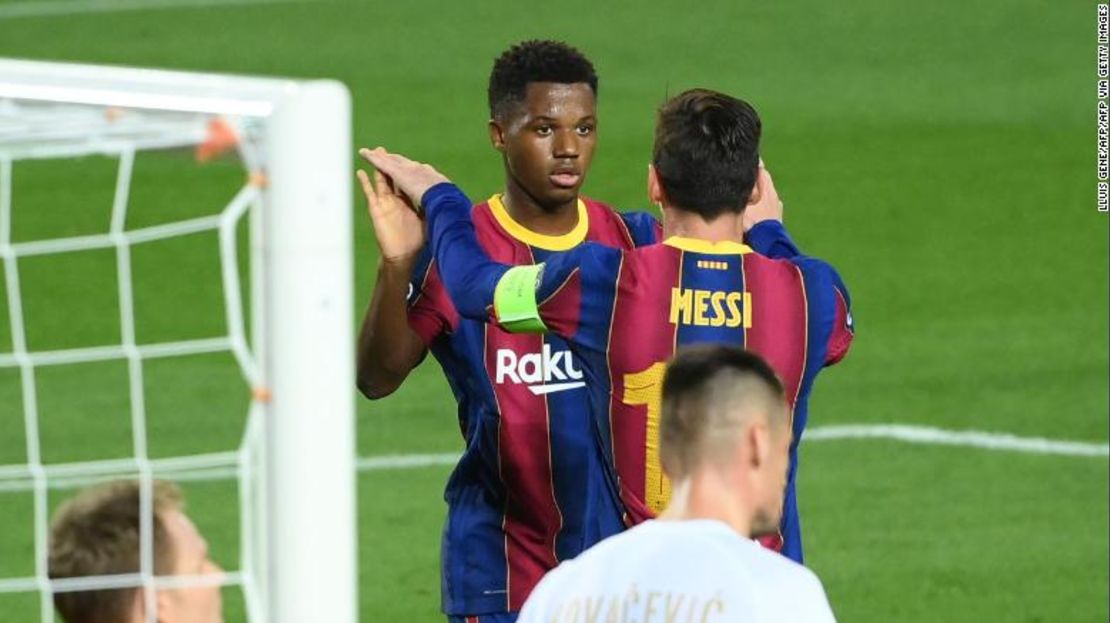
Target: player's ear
x=654 y=187
x=496 y=135
x=758 y=440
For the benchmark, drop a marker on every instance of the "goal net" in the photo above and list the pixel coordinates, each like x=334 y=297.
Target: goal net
x=176 y=274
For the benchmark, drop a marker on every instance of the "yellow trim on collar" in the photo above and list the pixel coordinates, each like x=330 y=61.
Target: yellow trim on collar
x=723 y=247
x=565 y=242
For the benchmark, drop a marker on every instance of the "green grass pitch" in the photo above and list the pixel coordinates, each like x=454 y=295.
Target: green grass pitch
x=940 y=154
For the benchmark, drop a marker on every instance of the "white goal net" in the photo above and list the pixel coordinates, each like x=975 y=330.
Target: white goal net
x=275 y=262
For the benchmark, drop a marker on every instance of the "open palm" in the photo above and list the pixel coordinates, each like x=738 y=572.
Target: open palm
x=397 y=226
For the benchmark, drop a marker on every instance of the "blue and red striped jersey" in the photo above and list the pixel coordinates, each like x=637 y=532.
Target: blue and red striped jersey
x=624 y=313
x=530 y=489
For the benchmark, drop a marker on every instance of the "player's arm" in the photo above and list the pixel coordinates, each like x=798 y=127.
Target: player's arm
x=843 y=325
x=643 y=227
x=829 y=305
x=764 y=232
x=388 y=348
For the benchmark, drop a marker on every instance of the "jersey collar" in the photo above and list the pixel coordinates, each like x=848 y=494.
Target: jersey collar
x=724 y=247
x=565 y=242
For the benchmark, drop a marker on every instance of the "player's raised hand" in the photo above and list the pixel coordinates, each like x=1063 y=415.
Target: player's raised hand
x=410 y=177
x=767 y=205
x=397 y=225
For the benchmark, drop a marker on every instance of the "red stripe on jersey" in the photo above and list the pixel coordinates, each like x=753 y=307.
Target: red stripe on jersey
x=641 y=308
x=599 y=212
x=606 y=226
x=433 y=313
x=562 y=309
x=513 y=362
x=532 y=517
x=779 y=323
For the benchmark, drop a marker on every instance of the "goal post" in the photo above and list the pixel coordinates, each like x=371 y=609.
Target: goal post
x=296 y=465
x=309 y=328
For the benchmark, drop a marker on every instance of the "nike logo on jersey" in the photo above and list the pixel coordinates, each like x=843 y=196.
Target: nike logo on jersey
x=545 y=372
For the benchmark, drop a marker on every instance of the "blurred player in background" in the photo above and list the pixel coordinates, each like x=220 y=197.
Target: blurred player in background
x=724 y=439
x=530 y=489
x=97 y=533
x=626 y=312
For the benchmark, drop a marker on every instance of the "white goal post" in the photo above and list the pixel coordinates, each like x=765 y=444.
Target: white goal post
x=299 y=356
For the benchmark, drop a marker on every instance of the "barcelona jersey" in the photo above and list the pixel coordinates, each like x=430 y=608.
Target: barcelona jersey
x=625 y=313
x=530 y=489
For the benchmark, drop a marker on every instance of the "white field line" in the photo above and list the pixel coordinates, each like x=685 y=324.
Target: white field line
x=217 y=467
x=898 y=432
x=48 y=8
x=966 y=438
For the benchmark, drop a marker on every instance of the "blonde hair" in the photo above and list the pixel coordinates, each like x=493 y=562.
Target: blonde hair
x=97 y=533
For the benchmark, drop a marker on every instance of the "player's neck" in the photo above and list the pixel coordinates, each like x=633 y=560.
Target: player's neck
x=727 y=227
x=549 y=221
x=705 y=495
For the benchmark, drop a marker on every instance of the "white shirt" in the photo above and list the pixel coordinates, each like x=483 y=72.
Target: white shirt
x=691 y=571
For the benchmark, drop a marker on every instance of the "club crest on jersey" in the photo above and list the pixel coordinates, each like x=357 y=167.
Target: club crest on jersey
x=711 y=308
x=545 y=372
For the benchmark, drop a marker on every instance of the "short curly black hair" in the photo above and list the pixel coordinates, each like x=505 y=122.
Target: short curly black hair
x=535 y=61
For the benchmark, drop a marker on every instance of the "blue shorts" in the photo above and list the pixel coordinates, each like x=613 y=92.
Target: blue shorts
x=499 y=617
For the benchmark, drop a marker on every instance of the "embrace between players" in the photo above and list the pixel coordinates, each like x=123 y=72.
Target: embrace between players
x=554 y=318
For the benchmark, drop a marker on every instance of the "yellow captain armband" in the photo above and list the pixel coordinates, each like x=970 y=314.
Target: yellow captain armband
x=514 y=300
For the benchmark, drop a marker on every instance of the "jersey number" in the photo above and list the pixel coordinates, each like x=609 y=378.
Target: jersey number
x=645 y=388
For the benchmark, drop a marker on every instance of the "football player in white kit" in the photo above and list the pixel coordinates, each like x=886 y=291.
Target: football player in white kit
x=724 y=434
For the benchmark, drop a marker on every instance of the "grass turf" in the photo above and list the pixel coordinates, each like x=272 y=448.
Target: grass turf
x=941 y=156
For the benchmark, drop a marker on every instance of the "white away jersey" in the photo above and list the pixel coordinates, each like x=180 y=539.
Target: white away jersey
x=696 y=571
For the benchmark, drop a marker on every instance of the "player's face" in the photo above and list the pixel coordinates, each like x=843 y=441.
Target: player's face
x=198 y=604
x=548 y=141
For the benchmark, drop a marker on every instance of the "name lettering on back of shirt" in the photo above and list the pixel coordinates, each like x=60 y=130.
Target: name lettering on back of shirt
x=711 y=308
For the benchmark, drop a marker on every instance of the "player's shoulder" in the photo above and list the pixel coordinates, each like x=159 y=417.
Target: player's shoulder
x=482 y=215
x=808 y=268
x=778 y=576
x=631 y=228
x=776 y=567
x=602 y=210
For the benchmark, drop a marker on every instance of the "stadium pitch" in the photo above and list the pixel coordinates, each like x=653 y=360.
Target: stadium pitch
x=940 y=155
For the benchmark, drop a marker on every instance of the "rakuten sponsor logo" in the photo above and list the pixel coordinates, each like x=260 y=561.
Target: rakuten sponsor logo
x=545 y=372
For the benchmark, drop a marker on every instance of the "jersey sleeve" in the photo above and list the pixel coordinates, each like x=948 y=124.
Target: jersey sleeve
x=563 y=295
x=844 y=326
x=644 y=228
x=770 y=238
x=430 y=311
x=576 y=292
x=830 y=307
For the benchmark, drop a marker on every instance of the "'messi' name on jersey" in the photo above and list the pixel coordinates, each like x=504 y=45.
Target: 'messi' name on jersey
x=544 y=372
x=711 y=308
